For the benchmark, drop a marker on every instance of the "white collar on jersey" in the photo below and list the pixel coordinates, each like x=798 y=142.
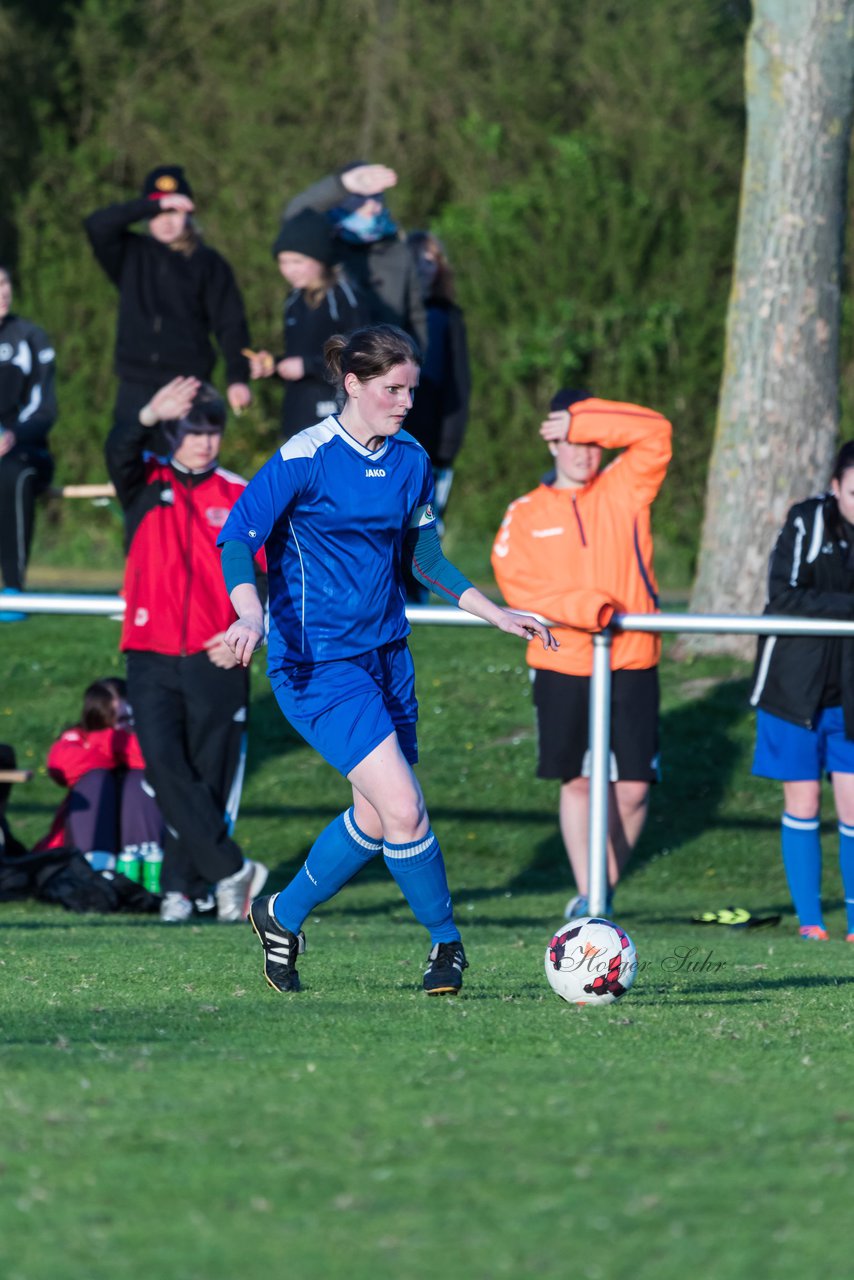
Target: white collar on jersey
x=305 y=444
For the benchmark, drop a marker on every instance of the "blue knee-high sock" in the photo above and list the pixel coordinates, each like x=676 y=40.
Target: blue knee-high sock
x=846 y=867
x=802 y=861
x=419 y=870
x=336 y=855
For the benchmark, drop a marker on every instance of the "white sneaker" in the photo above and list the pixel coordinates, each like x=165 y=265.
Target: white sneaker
x=175 y=908
x=234 y=894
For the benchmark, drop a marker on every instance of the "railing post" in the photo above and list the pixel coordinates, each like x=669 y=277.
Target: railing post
x=600 y=774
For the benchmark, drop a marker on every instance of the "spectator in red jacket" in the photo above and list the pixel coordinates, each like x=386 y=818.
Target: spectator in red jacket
x=108 y=806
x=189 y=693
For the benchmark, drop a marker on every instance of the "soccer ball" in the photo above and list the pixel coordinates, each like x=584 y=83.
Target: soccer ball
x=591 y=961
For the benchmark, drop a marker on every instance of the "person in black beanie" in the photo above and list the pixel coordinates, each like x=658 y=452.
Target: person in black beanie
x=371 y=250
x=174 y=292
x=321 y=303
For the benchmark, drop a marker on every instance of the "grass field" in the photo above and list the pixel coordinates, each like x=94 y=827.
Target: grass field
x=166 y=1115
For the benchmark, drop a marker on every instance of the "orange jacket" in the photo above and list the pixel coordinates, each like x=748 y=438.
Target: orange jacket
x=577 y=556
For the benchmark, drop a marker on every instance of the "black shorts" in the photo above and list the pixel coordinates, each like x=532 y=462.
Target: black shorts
x=563 y=710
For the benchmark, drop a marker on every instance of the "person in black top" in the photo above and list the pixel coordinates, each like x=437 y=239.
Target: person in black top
x=174 y=292
x=803 y=690
x=439 y=414
x=27 y=413
x=322 y=302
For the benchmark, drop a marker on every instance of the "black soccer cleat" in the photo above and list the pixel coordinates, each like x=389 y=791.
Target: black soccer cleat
x=281 y=947
x=444 y=973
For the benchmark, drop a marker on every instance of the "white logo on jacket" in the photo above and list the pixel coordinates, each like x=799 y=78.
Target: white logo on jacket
x=374 y=471
x=140 y=618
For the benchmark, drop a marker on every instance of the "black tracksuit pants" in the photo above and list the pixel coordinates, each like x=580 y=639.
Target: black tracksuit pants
x=190 y=718
x=24 y=474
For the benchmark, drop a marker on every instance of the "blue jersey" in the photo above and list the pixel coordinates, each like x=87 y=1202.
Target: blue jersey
x=333 y=516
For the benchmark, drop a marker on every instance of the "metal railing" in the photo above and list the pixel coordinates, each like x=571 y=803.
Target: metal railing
x=600 y=683
x=600 y=705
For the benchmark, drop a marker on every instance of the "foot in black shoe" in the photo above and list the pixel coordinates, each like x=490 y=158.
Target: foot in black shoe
x=281 y=947
x=444 y=973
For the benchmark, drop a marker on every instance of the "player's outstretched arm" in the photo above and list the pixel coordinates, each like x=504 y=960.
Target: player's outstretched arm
x=514 y=624
x=246 y=633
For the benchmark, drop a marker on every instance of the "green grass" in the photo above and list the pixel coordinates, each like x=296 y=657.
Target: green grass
x=166 y=1114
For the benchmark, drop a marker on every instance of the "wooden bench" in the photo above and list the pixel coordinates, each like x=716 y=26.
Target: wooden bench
x=16 y=775
x=92 y=491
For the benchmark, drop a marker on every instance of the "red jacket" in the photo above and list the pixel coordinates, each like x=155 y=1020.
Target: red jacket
x=577 y=556
x=76 y=753
x=175 y=597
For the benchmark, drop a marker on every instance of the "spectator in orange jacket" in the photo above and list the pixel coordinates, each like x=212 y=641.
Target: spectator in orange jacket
x=578 y=549
x=108 y=806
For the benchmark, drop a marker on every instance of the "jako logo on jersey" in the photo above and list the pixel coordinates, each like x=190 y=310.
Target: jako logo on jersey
x=216 y=516
x=374 y=471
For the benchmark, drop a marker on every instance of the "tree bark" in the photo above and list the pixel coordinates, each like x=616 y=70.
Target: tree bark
x=778 y=412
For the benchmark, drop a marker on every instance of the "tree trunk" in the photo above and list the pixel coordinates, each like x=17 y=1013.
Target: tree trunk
x=778 y=412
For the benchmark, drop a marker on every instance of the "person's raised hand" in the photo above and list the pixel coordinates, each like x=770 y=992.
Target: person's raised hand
x=556 y=426
x=369 y=179
x=8 y=440
x=172 y=401
x=176 y=202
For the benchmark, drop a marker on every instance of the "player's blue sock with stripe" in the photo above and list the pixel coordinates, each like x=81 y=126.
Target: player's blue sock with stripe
x=336 y=855
x=419 y=870
x=802 y=861
x=846 y=867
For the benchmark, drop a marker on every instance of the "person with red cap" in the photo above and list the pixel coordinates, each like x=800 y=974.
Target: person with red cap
x=578 y=549
x=174 y=293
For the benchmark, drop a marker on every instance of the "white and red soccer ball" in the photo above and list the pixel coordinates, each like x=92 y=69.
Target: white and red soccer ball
x=591 y=961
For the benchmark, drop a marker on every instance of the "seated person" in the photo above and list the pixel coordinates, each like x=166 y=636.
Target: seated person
x=109 y=809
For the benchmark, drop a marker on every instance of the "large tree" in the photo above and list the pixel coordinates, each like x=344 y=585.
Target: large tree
x=778 y=413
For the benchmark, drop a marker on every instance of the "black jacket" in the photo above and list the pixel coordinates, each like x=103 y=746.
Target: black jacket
x=27 y=391
x=169 y=302
x=811 y=575
x=439 y=414
x=313 y=397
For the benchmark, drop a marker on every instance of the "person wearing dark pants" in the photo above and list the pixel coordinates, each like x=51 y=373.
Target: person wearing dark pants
x=191 y=718
x=27 y=413
x=109 y=809
x=187 y=690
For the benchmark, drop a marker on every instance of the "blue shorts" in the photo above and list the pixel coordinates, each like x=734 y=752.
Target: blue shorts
x=346 y=707
x=792 y=753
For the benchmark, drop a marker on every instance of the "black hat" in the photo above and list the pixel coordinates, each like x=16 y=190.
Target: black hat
x=566 y=397
x=166 y=180
x=308 y=233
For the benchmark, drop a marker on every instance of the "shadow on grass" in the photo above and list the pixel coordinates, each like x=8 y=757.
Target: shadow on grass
x=700 y=758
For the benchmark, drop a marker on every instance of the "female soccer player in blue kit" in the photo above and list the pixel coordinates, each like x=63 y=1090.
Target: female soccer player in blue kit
x=340 y=507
